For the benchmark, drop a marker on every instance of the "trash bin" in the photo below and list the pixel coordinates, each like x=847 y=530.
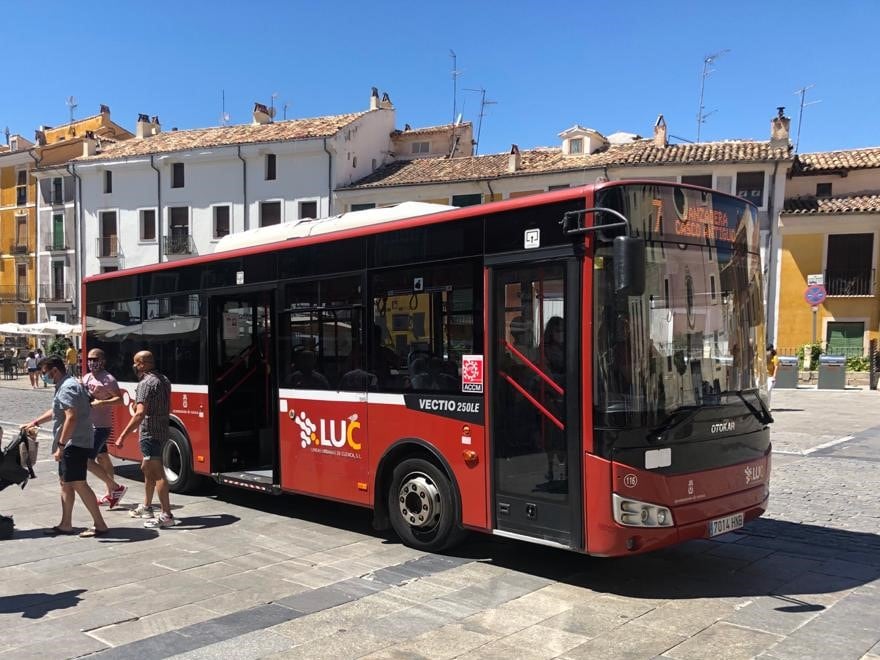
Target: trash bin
x=786 y=372
x=832 y=372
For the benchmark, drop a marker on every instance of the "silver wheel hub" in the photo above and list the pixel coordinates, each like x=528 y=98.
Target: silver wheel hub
x=419 y=501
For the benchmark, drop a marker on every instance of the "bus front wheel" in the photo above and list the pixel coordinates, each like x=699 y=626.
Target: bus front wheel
x=423 y=507
x=177 y=461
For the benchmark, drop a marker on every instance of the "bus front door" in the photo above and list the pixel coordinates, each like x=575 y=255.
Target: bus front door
x=242 y=390
x=534 y=339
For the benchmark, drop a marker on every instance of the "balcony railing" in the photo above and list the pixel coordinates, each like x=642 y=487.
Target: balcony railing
x=846 y=282
x=56 y=245
x=15 y=293
x=108 y=246
x=56 y=293
x=178 y=245
x=19 y=247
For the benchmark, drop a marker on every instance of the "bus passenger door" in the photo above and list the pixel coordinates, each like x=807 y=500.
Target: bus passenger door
x=534 y=367
x=242 y=390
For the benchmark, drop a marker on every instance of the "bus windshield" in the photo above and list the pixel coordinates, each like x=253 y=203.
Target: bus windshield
x=696 y=336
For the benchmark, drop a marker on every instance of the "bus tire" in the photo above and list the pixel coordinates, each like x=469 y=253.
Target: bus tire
x=177 y=463
x=423 y=506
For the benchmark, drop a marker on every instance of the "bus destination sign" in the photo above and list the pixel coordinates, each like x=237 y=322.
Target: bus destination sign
x=697 y=222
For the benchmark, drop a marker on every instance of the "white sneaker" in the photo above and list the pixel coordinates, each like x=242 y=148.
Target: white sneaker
x=162 y=520
x=141 y=511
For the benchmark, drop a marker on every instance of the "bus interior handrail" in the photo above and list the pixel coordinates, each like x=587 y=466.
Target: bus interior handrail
x=241 y=381
x=239 y=359
x=535 y=368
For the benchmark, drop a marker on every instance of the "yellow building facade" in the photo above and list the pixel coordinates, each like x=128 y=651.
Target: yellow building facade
x=57 y=272
x=831 y=235
x=17 y=232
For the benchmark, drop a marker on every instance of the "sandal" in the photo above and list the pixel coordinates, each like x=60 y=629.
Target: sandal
x=57 y=531
x=92 y=532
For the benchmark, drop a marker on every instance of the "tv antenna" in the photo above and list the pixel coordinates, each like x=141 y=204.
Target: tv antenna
x=272 y=105
x=802 y=92
x=71 y=106
x=455 y=74
x=224 y=116
x=707 y=71
x=483 y=104
x=284 y=110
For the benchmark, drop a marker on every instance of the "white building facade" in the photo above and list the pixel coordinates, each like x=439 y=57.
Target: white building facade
x=165 y=196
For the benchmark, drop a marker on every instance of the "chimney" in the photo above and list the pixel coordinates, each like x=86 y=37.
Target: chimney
x=262 y=115
x=156 y=126
x=40 y=137
x=142 y=127
x=386 y=103
x=660 y=133
x=779 y=130
x=374 y=98
x=514 y=161
x=90 y=144
x=105 y=109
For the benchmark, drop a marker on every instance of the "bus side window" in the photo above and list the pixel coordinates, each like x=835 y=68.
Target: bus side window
x=424 y=318
x=321 y=333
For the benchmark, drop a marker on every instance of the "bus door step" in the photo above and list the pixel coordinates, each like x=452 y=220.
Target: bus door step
x=259 y=480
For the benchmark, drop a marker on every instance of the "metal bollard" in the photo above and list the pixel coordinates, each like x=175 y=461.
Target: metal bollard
x=874 y=364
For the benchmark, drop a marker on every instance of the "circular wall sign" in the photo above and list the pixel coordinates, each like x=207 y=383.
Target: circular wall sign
x=815 y=294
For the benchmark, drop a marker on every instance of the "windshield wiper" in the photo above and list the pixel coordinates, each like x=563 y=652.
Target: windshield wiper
x=680 y=416
x=763 y=415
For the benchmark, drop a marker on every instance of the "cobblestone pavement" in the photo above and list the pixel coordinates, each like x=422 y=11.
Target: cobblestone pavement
x=247 y=576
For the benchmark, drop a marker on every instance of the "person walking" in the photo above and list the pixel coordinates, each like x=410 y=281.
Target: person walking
x=772 y=363
x=70 y=357
x=38 y=355
x=104 y=393
x=71 y=446
x=152 y=409
x=33 y=372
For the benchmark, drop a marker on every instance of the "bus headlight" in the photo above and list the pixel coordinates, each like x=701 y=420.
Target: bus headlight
x=633 y=513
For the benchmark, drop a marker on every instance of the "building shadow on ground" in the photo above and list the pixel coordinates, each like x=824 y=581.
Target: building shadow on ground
x=768 y=557
x=38 y=605
x=776 y=558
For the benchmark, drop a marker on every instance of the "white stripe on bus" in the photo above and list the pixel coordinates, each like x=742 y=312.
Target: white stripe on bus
x=188 y=389
x=342 y=397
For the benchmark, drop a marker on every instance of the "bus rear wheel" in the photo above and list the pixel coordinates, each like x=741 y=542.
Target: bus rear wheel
x=423 y=506
x=177 y=462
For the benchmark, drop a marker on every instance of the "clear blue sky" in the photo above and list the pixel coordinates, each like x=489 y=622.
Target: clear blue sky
x=612 y=66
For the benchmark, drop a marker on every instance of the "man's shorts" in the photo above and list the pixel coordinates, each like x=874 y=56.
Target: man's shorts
x=151 y=449
x=72 y=466
x=101 y=435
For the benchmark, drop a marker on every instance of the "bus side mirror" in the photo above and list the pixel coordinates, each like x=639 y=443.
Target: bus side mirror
x=629 y=266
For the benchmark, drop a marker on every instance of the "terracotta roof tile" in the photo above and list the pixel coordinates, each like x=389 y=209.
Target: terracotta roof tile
x=832 y=161
x=864 y=203
x=545 y=160
x=201 y=138
x=426 y=130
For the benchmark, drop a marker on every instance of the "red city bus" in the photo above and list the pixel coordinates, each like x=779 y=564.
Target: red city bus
x=582 y=369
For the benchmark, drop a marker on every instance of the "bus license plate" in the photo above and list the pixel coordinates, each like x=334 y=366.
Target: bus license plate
x=725 y=524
